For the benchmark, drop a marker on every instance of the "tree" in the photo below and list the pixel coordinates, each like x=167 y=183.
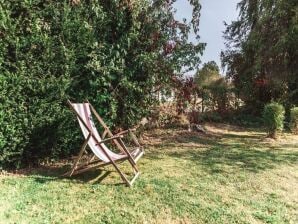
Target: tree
x=261 y=55
x=207 y=74
x=212 y=87
x=185 y=94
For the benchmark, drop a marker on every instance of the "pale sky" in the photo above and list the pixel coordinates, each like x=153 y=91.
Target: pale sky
x=213 y=15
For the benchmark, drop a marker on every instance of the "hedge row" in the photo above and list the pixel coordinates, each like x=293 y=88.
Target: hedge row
x=115 y=53
x=54 y=50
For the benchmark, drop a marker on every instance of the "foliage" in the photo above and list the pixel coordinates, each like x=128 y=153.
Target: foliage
x=115 y=53
x=207 y=74
x=261 y=55
x=165 y=116
x=244 y=119
x=185 y=95
x=274 y=115
x=207 y=84
x=210 y=116
x=219 y=91
x=294 y=120
x=212 y=87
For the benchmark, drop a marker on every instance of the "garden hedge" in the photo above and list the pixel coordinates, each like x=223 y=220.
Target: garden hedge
x=115 y=53
x=274 y=116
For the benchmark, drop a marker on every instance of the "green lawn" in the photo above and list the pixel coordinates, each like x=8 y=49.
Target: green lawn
x=227 y=176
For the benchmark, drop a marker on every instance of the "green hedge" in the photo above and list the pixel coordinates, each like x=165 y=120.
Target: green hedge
x=37 y=65
x=274 y=115
x=106 y=51
x=51 y=51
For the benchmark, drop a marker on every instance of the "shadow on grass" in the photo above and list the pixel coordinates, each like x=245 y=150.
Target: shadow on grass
x=225 y=153
x=246 y=136
x=216 y=159
x=231 y=153
x=186 y=139
x=44 y=174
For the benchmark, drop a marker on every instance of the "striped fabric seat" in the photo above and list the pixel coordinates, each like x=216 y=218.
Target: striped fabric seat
x=97 y=144
x=83 y=110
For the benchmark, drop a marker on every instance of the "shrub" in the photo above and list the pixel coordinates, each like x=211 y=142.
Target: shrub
x=165 y=116
x=273 y=115
x=294 y=120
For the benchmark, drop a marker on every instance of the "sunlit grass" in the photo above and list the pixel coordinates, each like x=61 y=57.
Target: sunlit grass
x=227 y=176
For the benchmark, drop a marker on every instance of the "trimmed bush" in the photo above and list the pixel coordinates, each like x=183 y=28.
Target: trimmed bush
x=294 y=120
x=274 y=115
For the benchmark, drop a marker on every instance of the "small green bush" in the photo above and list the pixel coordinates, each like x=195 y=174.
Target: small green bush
x=294 y=120
x=273 y=115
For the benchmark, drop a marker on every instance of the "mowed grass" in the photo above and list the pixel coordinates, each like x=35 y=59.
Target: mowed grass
x=230 y=175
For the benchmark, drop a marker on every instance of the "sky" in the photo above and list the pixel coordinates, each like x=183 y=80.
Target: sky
x=213 y=15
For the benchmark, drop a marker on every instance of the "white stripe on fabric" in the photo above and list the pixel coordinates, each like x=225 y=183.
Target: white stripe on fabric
x=113 y=155
x=95 y=149
x=79 y=107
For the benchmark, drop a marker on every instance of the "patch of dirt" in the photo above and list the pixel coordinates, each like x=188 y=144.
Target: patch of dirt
x=214 y=131
x=285 y=139
x=182 y=138
x=44 y=169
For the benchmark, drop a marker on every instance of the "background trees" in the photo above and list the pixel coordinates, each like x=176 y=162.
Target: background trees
x=261 y=58
x=115 y=53
x=213 y=88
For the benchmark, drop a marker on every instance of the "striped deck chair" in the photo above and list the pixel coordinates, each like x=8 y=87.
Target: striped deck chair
x=102 y=154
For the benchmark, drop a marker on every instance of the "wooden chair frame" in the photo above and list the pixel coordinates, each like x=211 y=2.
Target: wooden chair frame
x=116 y=139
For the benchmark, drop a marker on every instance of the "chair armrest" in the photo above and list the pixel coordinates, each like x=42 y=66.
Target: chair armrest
x=126 y=131
x=109 y=139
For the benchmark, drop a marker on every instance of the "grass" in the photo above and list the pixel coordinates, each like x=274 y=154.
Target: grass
x=230 y=175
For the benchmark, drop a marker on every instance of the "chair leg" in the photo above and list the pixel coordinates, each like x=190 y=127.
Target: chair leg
x=121 y=174
x=126 y=181
x=126 y=151
x=130 y=158
x=134 y=178
x=80 y=155
x=91 y=159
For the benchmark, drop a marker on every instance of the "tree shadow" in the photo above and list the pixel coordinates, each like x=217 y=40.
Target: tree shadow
x=244 y=153
x=185 y=139
x=225 y=153
x=216 y=159
x=243 y=136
